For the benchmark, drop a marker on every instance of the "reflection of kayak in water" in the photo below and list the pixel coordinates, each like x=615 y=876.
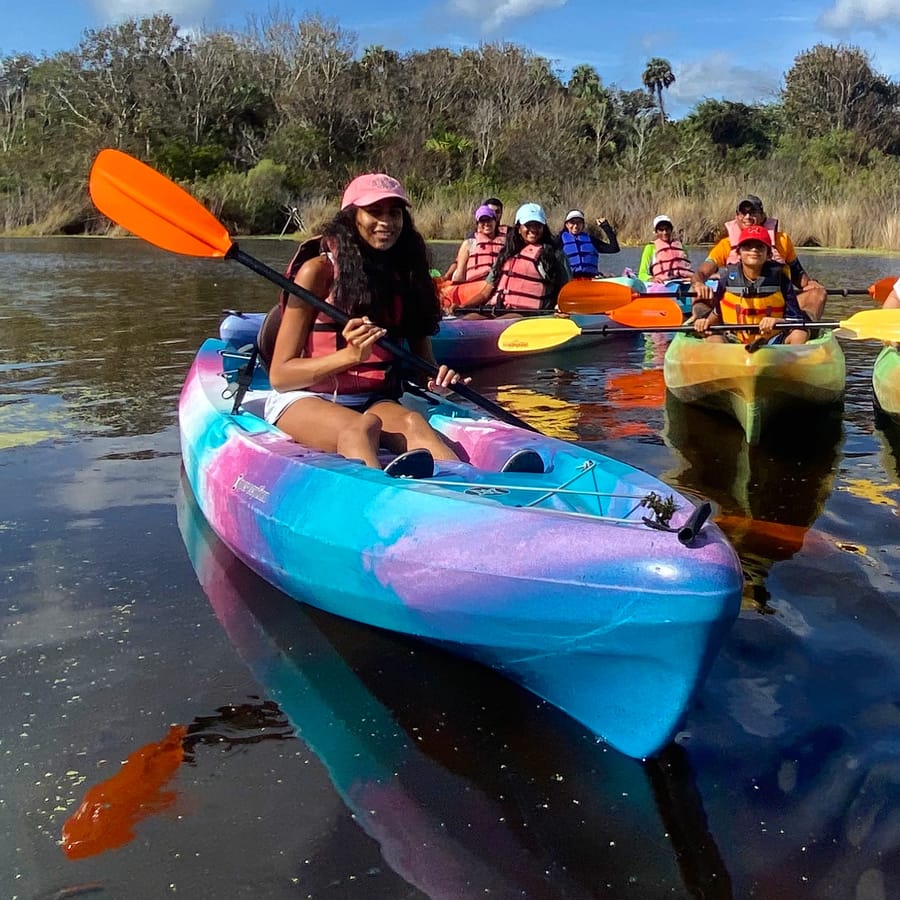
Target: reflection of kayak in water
x=447 y=835
x=769 y=495
x=464 y=797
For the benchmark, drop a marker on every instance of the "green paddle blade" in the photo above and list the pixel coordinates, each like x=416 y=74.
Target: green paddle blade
x=537 y=334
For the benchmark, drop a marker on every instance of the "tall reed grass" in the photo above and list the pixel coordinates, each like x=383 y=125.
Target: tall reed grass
x=866 y=219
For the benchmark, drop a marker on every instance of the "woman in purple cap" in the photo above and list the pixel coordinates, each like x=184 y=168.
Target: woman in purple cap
x=477 y=254
x=336 y=389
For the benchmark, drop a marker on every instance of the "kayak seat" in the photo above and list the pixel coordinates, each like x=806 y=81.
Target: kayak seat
x=525 y=460
x=412 y=464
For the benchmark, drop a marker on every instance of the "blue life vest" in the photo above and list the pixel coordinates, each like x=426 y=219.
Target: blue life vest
x=582 y=254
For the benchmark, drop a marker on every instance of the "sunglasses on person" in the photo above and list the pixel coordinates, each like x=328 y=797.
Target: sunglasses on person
x=753 y=245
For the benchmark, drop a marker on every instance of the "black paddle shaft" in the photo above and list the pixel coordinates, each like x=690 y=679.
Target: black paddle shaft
x=606 y=329
x=339 y=316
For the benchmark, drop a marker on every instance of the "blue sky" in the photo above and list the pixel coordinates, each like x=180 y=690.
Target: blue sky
x=707 y=43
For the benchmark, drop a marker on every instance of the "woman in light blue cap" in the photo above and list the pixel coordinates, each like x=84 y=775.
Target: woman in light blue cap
x=530 y=270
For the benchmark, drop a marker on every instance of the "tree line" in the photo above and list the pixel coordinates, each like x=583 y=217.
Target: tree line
x=265 y=124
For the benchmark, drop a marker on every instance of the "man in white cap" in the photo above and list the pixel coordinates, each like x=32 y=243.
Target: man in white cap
x=810 y=293
x=582 y=248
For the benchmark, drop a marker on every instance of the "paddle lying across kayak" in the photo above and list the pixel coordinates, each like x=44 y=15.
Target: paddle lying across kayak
x=540 y=334
x=592 y=584
x=596 y=295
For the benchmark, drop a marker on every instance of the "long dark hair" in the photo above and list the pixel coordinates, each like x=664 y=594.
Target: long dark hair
x=549 y=257
x=369 y=280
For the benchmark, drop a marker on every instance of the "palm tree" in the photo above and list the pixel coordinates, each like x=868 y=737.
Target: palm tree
x=658 y=75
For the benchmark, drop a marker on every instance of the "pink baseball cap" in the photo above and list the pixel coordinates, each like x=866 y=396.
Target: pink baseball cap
x=365 y=190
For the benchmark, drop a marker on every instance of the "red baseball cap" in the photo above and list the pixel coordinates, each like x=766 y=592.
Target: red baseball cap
x=755 y=233
x=365 y=190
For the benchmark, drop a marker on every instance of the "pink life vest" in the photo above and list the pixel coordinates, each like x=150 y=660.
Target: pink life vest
x=482 y=256
x=734 y=232
x=372 y=376
x=521 y=285
x=669 y=261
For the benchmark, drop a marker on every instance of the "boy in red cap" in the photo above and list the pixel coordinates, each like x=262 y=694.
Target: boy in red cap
x=755 y=290
x=811 y=294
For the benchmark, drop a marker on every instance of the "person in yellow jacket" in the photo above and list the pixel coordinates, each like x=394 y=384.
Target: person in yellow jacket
x=810 y=293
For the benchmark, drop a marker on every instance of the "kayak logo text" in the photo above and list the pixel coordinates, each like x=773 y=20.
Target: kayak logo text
x=256 y=491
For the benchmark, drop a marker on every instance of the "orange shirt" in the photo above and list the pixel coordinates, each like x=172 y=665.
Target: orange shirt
x=719 y=253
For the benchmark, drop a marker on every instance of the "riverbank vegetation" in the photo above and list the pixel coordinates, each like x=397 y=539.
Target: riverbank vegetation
x=266 y=124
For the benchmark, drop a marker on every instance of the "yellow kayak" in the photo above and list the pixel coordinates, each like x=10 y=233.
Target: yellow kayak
x=755 y=387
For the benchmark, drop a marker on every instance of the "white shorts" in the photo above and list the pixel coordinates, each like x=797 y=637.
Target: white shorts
x=278 y=401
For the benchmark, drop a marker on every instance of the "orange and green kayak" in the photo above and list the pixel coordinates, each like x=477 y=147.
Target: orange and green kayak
x=886 y=383
x=756 y=387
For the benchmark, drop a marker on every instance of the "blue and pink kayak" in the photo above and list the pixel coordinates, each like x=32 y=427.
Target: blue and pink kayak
x=462 y=343
x=593 y=585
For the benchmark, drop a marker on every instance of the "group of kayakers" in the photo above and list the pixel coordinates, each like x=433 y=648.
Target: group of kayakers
x=335 y=389
x=524 y=266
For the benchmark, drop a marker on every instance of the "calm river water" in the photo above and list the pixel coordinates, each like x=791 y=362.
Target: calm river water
x=219 y=740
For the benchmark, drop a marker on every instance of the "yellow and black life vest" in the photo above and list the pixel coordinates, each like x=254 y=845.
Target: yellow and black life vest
x=747 y=302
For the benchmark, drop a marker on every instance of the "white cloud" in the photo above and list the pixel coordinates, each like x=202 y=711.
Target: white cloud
x=117 y=10
x=493 y=15
x=717 y=76
x=846 y=14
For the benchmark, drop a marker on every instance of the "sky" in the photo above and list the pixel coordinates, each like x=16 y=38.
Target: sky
x=706 y=42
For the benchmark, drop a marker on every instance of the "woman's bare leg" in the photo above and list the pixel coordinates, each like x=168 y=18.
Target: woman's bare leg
x=402 y=430
x=333 y=428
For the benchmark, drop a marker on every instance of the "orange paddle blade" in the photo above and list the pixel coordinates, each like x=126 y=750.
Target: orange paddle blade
x=454 y=296
x=150 y=206
x=649 y=312
x=581 y=295
x=880 y=289
x=466 y=292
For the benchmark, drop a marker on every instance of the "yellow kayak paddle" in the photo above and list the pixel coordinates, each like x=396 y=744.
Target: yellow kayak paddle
x=541 y=334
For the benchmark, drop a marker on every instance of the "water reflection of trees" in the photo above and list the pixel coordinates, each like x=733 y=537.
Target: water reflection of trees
x=111 y=326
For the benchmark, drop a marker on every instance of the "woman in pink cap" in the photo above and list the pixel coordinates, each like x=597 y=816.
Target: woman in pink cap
x=335 y=389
